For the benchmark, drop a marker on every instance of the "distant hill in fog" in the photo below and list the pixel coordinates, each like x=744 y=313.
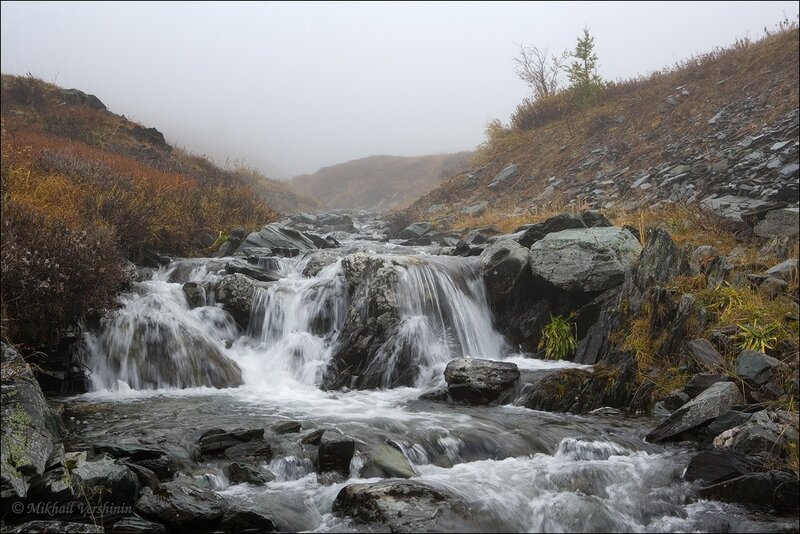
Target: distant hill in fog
x=380 y=182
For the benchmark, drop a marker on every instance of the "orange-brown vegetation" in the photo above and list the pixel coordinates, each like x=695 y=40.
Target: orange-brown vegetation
x=82 y=188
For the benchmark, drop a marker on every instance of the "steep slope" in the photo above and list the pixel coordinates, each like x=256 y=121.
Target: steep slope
x=380 y=182
x=720 y=128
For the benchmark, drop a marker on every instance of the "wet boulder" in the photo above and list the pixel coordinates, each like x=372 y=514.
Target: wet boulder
x=475 y=381
x=239 y=473
x=259 y=272
x=405 y=506
x=775 y=489
x=182 y=505
x=216 y=441
x=584 y=260
x=195 y=294
x=165 y=352
x=286 y=427
x=708 y=405
x=242 y=521
x=335 y=452
x=505 y=271
x=235 y=292
x=106 y=481
x=370 y=327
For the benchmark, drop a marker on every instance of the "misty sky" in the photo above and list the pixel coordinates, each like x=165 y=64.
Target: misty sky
x=291 y=87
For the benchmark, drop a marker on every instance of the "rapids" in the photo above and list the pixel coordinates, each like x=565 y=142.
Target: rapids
x=517 y=469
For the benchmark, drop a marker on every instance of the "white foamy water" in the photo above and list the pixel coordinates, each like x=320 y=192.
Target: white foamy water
x=512 y=466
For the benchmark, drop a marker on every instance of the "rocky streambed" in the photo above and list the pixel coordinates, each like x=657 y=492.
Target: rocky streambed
x=318 y=376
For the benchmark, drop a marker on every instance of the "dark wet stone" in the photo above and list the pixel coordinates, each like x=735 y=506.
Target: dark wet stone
x=335 y=452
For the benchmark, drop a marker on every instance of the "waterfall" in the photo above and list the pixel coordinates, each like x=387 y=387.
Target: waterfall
x=156 y=341
x=444 y=315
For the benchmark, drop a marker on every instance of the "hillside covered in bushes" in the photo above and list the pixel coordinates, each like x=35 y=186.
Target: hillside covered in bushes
x=84 y=188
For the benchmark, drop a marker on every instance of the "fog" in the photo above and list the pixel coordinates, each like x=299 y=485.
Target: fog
x=291 y=87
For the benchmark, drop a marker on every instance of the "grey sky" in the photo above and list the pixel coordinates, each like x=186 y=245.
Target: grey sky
x=295 y=86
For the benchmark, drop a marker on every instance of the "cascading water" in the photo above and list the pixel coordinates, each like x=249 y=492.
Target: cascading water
x=516 y=469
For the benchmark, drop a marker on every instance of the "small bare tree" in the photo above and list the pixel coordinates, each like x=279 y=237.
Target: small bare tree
x=540 y=70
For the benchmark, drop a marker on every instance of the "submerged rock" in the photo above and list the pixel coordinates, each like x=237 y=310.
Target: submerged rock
x=475 y=381
x=386 y=461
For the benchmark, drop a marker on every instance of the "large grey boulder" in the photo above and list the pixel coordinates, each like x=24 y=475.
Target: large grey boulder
x=29 y=430
x=369 y=327
x=717 y=466
x=584 y=260
x=756 y=368
x=476 y=381
x=216 y=441
x=711 y=403
x=781 y=222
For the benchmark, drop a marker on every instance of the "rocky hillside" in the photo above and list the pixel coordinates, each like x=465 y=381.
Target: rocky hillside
x=720 y=129
x=380 y=182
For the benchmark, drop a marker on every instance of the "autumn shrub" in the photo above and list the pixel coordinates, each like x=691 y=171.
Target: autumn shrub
x=532 y=114
x=53 y=272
